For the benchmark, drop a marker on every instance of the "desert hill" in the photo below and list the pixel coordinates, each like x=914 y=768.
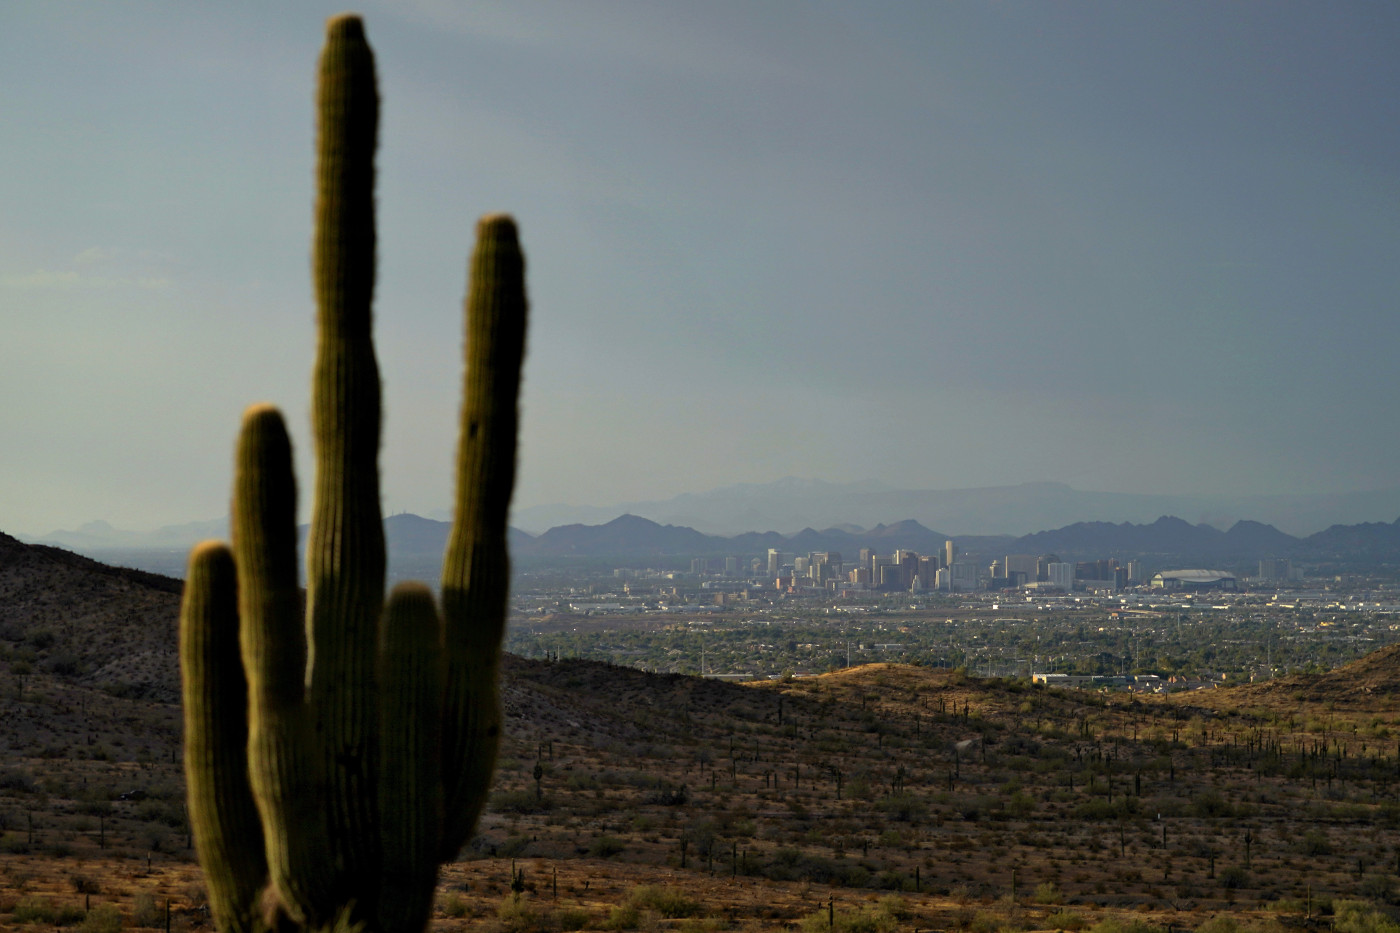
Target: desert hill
x=90 y=623
x=902 y=796
x=1371 y=682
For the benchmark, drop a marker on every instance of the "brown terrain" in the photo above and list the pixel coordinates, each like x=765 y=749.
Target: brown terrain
x=882 y=797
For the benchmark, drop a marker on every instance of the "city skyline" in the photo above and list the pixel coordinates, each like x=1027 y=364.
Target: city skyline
x=1146 y=247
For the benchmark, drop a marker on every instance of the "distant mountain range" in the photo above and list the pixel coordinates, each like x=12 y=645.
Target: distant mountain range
x=791 y=503
x=1166 y=540
x=416 y=544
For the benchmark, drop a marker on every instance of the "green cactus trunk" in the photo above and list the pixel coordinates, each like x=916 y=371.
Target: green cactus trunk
x=349 y=753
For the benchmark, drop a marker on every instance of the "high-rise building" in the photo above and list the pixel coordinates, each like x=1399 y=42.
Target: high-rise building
x=1061 y=576
x=1024 y=564
x=963 y=576
x=877 y=563
x=928 y=569
x=775 y=561
x=1276 y=570
x=950 y=553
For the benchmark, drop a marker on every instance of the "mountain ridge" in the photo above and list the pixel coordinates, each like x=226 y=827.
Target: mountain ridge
x=416 y=543
x=791 y=503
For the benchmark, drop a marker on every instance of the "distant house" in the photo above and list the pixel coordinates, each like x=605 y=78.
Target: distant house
x=1194 y=580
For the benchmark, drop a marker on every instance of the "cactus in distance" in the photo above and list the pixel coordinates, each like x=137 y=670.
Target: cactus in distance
x=339 y=747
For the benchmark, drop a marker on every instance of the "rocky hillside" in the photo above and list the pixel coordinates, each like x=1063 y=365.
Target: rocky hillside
x=87 y=622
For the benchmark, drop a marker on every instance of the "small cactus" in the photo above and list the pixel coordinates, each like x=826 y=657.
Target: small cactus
x=338 y=748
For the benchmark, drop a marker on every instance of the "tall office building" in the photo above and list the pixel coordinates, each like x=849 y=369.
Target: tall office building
x=877 y=574
x=775 y=561
x=1024 y=564
x=928 y=570
x=963 y=576
x=950 y=553
x=1061 y=576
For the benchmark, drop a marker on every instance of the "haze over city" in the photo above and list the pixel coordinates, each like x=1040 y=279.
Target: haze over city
x=1149 y=247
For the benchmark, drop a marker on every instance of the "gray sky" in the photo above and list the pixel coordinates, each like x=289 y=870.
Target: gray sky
x=1128 y=246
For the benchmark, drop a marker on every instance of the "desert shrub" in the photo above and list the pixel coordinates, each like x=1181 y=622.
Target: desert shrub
x=104 y=918
x=13 y=844
x=985 y=921
x=790 y=864
x=665 y=902
x=1065 y=919
x=890 y=839
x=701 y=925
x=623 y=917
x=1219 y=924
x=1209 y=804
x=1288 y=905
x=64 y=663
x=1234 y=877
x=16 y=781
x=42 y=639
x=1378 y=886
x=155 y=811
x=903 y=807
x=518 y=801
x=454 y=906
x=1120 y=925
x=522 y=915
x=889 y=880
x=1315 y=842
x=1047 y=892
x=573 y=918
x=1020 y=805
x=33 y=910
x=84 y=885
x=513 y=847
x=606 y=846
x=146 y=913
x=1361 y=917
x=865 y=920
x=669 y=797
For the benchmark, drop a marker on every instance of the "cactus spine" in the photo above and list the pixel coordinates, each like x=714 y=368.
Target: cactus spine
x=350 y=751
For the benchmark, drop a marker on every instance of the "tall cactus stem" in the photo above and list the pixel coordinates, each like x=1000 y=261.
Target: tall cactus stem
x=345 y=549
x=411 y=673
x=476 y=569
x=285 y=776
x=222 y=814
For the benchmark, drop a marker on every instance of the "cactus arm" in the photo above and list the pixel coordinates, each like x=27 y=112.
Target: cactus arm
x=285 y=777
x=476 y=569
x=411 y=671
x=223 y=816
x=345 y=550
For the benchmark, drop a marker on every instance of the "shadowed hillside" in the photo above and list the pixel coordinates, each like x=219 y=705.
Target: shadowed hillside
x=89 y=623
x=903 y=797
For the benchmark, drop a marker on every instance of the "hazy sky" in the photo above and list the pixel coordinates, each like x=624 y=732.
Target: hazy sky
x=1128 y=246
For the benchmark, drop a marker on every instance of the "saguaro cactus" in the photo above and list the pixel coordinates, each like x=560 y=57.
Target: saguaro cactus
x=339 y=748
